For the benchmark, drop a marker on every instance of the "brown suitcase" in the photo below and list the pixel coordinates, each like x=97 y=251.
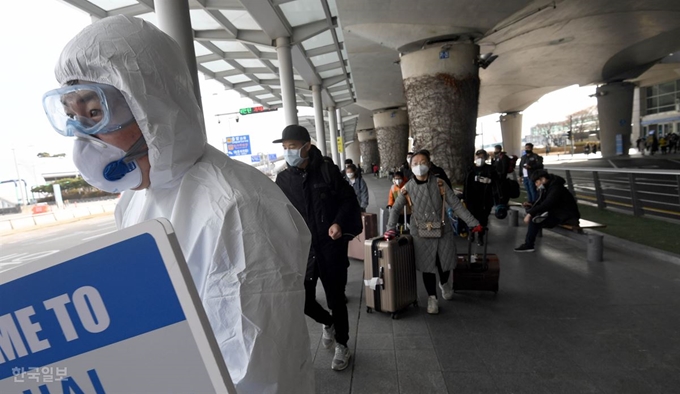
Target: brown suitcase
x=394 y=263
x=474 y=273
x=355 y=247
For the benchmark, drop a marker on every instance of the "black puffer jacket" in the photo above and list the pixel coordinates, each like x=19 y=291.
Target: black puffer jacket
x=479 y=195
x=533 y=160
x=322 y=202
x=557 y=200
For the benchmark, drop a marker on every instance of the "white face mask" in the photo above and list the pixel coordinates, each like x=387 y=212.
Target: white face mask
x=293 y=157
x=479 y=162
x=397 y=181
x=350 y=175
x=94 y=158
x=541 y=187
x=420 y=170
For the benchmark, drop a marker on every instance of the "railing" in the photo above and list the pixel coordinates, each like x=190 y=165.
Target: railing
x=637 y=191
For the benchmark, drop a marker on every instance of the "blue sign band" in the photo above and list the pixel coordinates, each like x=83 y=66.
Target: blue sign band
x=134 y=286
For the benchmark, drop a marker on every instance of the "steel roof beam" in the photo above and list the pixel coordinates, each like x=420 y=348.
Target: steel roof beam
x=227 y=5
x=309 y=30
x=322 y=50
x=344 y=103
x=328 y=82
x=231 y=73
x=329 y=18
x=275 y=25
x=247 y=36
x=88 y=7
x=330 y=66
x=131 y=10
x=337 y=89
x=342 y=98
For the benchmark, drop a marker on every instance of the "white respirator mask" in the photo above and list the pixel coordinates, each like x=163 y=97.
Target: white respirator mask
x=107 y=167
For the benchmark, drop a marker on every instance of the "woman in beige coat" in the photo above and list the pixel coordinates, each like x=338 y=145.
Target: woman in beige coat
x=433 y=255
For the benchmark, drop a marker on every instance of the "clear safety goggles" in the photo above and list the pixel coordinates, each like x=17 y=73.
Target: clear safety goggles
x=91 y=108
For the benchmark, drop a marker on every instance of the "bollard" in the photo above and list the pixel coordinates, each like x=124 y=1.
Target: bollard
x=513 y=216
x=595 y=249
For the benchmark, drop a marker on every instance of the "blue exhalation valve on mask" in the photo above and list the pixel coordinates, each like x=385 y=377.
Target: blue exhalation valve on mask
x=117 y=169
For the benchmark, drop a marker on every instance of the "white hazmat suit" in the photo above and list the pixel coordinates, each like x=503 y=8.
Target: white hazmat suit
x=245 y=244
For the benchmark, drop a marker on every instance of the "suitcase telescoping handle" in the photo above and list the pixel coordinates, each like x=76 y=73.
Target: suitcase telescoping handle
x=486 y=243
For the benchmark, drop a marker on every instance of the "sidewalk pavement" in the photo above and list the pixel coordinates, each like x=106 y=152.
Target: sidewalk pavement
x=558 y=325
x=70 y=212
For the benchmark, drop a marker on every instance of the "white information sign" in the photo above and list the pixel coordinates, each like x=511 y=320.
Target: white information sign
x=119 y=314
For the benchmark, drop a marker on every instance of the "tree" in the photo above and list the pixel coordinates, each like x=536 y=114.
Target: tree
x=546 y=130
x=583 y=122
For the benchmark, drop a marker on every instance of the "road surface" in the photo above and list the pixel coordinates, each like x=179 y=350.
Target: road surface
x=26 y=246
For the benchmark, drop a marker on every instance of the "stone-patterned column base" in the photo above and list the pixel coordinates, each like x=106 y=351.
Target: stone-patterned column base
x=391 y=127
x=441 y=85
x=368 y=146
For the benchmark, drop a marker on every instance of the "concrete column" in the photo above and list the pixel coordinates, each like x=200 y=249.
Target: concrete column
x=368 y=147
x=333 y=127
x=511 y=131
x=341 y=143
x=615 y=110
x=441 y=85
x=174 y=19
x=353 y=152
x=287 y=80
x=637 y=130
x=318 y=119
x=391 y=129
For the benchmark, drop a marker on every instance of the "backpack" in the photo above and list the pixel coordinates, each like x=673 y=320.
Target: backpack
x=513 y=164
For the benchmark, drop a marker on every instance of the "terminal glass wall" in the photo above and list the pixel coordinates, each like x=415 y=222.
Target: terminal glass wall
x=662 y=97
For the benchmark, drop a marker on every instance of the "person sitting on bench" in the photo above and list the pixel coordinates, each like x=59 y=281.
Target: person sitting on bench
x=555 y=206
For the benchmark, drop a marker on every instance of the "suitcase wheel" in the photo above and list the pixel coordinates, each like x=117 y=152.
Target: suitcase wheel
x=395 y=316
x=415 y=303
x=369 y=309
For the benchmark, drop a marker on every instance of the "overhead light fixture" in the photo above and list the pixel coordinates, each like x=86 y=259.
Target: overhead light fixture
x=485 y=60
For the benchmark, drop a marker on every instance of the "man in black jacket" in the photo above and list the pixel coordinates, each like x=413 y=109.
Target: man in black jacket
x=530 y=162
x=554 y=206
x=330 y=209
x=481 y=191
x=501 y=162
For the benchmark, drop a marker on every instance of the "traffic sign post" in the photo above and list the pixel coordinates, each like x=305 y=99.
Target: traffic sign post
x=117 y=314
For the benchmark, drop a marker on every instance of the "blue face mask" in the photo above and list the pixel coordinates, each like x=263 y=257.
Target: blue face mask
x=293 y=157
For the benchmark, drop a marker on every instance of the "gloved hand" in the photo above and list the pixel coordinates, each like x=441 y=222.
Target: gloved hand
x=478 y=229
x=390 y=234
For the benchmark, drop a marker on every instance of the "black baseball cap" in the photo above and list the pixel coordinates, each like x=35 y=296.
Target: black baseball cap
x=294 y=132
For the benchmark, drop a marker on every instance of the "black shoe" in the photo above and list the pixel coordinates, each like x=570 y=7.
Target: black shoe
x=524 y=248
x=480 y=242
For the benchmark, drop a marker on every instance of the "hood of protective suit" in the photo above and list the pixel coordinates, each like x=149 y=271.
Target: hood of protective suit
x=148 y=67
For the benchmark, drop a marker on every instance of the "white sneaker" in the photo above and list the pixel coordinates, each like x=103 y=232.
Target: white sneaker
x=328 y=336
x=447 y=291
x=432 y=305
x=341 y=358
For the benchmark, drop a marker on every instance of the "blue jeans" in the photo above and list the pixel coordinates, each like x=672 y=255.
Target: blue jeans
x=530 y=188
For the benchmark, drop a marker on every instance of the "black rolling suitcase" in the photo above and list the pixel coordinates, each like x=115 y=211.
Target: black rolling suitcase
x=472 y=273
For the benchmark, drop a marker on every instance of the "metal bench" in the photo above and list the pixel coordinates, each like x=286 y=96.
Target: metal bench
x=594 y=246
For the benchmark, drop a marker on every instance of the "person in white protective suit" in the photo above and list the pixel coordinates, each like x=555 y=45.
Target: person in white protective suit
x=127 y=97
